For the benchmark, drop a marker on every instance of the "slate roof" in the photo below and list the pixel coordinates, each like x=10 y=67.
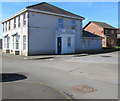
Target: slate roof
x=90 y=35
x=101 y=24
x=53 y=9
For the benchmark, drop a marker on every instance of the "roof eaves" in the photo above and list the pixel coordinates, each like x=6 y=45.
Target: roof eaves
x=34 y=10
x=11 y=17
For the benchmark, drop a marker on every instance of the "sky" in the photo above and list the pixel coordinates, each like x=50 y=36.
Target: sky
x=92 y=11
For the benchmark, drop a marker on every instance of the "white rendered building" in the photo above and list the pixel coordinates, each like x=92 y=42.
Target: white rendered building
x=45 y=29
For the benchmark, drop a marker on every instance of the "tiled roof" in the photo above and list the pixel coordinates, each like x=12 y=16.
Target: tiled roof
x=90 y=35
x=53 y=9
x=101 y=24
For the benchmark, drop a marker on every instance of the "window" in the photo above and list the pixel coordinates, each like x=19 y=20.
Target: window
x=112 y=31
x=69 y=41
x=73 y=23
x=24 y=42
x=6 y=26
x=24 y=19
x=9 y=25
x=14 y=22
x=3 y=27
x=88 y=42
x=60 y=23
x=18 y=21
x=6 y=42
x=16 y=42
x=106 y=31
x=83 y=43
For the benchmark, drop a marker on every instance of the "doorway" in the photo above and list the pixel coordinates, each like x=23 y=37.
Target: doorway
x=59 y=45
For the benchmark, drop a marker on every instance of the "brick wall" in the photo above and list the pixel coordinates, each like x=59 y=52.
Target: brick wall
x=93 y=28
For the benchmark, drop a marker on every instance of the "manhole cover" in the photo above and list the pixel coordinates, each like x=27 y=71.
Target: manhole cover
x=8 y=77
x=84 y=89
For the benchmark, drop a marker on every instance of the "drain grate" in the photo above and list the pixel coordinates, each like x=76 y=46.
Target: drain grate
x=84 y=89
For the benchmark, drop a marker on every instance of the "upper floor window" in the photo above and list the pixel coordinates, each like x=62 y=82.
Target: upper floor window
x=112 y=31
x=106 y=31
x=6 y=26
x=73 y=24
x=3 y=27
x=9 y=25
x=14 y=22
x=24 y=19
x=60 y=23
x=18 y=21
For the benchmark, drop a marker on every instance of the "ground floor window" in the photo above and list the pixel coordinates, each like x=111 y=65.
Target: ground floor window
x=6 y=41
x=88 y=42
x=24 y=42
x=83 y=43
x=16 y=41
x=69 y=41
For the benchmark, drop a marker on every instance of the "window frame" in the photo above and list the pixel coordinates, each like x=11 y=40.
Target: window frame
x=19 y=21
x=16 y=39
x=24 y=42
x=69 y=42
x=15 y=23
x=73 y=25
x=24 y=19
x=7 y=42
x=60 y=23
x=9 y=25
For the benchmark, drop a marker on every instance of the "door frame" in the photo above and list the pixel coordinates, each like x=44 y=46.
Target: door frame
x=59 y=47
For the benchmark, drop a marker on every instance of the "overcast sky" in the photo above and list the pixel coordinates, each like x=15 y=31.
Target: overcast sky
x=92 y=11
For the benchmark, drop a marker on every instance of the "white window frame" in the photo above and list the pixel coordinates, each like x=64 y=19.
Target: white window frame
x=6 y=42
x=73 y=24
x=83 y=43
x=15 y=23
x=89 y=42
x=24 y=19
x=6 y=26
x=68 y=41
x=24 y=42
x=19 y=21
x=3 y=27
x=16 y=39
x=9 y=25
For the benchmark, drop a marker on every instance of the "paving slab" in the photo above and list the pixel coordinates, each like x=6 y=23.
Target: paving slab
x=20 y=90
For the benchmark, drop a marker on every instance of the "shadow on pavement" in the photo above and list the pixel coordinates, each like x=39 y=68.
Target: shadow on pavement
x=8 y=77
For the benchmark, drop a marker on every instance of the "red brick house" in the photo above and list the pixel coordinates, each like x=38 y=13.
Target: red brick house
x=118 y=37
x=108 y=32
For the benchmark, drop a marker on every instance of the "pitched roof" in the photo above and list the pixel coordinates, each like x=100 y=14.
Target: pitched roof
x=90 y=35
x=101 y=24
x=53 y=9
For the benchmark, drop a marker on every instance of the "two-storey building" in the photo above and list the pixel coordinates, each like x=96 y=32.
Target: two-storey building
x=42 y=29
x=108 y=32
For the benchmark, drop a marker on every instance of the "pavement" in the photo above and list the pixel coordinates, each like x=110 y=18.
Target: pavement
x=20 y=90
x=78 y=76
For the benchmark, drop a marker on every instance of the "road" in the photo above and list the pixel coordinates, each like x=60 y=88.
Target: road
x=77 y=76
